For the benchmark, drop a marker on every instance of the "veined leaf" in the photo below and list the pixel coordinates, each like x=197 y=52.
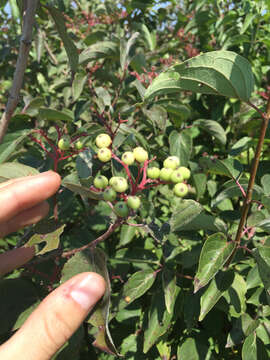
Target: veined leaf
x=12 y=170
x=125 y=47
x=100 y=50
x=215 y=252
x=222 y=281
x=213 y=128
x=221 y=72
x=70 y=47
x=183 y=213
x=83 y=191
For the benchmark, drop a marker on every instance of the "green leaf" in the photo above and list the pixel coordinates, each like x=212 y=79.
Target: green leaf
x=158 y=115
x=125 y=49
x=199 y=181
x=222 y=281
x=183 y=213
x=254 y=349
x=69 y=46
x=192 y=349
x=13 y=170
x=159 y=321
x=136 y=286
x=265 y=181
x=205 y=222
x=217 y=72
x=12 y=146
x=84 y=164
x=149 y=37
x=82 y=190
x=18 y=298
x=56 y=115
x=127 y=234
x=236 y=296
x=213 y=128
x=49 y=232
x=78 y=85
x=166 y=83
x=261 y=256
x=215 y=252
x=227 y=167
x=100 y=50
x=181 y=145
x=242 y=327
x=234 y=191
x=94 y=260
x=94 y=36
x=169 y=288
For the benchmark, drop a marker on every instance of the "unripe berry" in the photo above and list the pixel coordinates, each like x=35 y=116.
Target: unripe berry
x=104 y=154
x=64 y=143
x=180 y=189
x=119 y=184
x=128 y=158
x=165 y=174
x=172 y=162
x=101 y=182
x=176 y=176
x=109 y=194
x=112 y=179
x=103 y=141
x=185 y=172
x=153 y=172
x=140 y=154
x=134 y=202
x=78 y=145
x=121 y=209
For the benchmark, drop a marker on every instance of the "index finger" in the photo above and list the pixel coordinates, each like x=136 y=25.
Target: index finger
x=26 y=193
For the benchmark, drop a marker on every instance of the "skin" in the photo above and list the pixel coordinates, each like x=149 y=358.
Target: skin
x=50 y=325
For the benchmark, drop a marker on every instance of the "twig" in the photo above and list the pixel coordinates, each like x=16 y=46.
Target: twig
x=25 y=45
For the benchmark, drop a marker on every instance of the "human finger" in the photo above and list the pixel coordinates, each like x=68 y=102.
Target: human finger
x=24 y=194
x=15 y=258
x=55 y=319
x=25 y=218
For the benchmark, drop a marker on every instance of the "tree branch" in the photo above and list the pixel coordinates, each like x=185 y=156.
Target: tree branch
x=25 y=45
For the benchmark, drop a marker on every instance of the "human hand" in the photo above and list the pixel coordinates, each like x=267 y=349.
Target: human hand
x=62 y=311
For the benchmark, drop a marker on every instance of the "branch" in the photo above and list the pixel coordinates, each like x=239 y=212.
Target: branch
x=25 y=45
x=253 y=172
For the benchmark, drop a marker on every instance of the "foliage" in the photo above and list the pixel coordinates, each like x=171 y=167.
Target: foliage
x=178 y=79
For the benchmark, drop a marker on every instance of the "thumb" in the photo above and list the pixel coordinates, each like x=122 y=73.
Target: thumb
x=55 y=319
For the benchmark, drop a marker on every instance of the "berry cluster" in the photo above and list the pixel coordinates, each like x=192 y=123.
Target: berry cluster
x=114 y=189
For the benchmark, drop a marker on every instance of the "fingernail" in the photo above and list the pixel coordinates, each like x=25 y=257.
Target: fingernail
x=88 y=291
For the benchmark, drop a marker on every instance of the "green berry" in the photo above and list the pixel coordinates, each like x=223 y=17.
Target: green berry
x=172 y=162
x=176 y=176
x=121 y=209
x=101 y=182
x=128 y=158
x=104 y=154
x=78 y=145
x=112 y=179
x=185 y=172
x=134 y=202
x=180 y=189
x=64 y=143
x=165 y=174
x=119 y=184
x=103 y=141
x=109 y=194
x=140 y=154
x=153 y=172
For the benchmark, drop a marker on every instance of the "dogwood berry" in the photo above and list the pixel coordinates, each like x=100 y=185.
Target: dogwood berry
x=109 y=194
x=153 y=172
x=140 y=154
x=128 y=158
x=185 y=172
x=176 y=176
x=180 y=189
x=64 y=143
x=104 y=154
x=165 y=174
x=172 y=162
x=134 y=202
x=121 y=209
x=101 y=182
x=119 y=184
x=103 y=141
